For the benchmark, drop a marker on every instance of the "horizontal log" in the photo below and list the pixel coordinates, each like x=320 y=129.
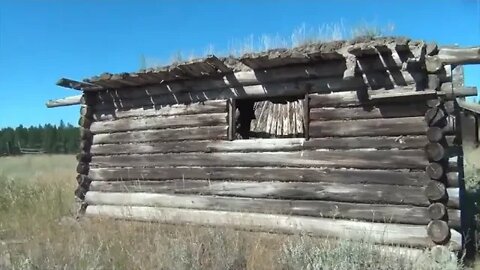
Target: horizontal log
x=389 y=177
x=66 y=101
x=379 y=127
x=437 y=211
x=436 y=191
x=354 y=193
x=210 y=106
x=163 y=122
x=196 y=133
x=469 y=106
x=379 y=111
x=368 y=212
x=442 y=135
x=452 y=179
x=453 y=56
x=263 y=145
x=384 y=233
x=361 y=159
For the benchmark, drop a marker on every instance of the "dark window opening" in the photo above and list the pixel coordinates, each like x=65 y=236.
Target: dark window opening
x=272 y=118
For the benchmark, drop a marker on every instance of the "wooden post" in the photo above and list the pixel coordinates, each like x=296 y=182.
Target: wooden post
x=306 y=116
x=231 y=119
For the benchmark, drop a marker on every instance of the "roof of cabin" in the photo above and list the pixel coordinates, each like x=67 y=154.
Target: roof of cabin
x=212 y=66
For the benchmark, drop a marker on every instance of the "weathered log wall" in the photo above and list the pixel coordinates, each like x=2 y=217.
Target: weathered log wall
x=381 y=146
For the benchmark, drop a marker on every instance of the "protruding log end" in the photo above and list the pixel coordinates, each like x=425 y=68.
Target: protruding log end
x=85 y=134
x=84 y=122
x=86 y=111
x=83 y=168
x=434 y=170
x=84 y=157
x=436 y=191
x=452 y=179
x=438 y=231
x=435 y=151
x=437 y=211
x=434 y=134
x=83 y=180
x=434 y=117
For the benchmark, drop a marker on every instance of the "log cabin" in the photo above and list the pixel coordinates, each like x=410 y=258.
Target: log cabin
x=353 y=139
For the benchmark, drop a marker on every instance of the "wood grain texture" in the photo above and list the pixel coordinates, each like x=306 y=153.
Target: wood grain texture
x=263 y=145
x=369 y=212
x=344 y=176
x=360 y=193
x=379 y=127
x=361 y=159
x=196 y=133
x=162 y=122
x=408 y=235
x=372 y=112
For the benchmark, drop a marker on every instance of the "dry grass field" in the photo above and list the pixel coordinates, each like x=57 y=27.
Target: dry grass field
x=38 y=231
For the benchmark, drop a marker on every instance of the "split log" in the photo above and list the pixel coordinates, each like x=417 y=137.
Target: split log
x=436 y=191
x=180 y=121
x=438 y=231
x=206 y=107
x=354 y=193
x=67 y=101
x=368 y=212
x=361 y=159
x=379 y=127
x=263 y=145
x=197 y=133
x=437 y=211
x=341 y=176
x=378 y=111
x=408 y=235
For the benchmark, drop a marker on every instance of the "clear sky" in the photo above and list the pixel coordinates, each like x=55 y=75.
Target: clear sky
x=42 y=41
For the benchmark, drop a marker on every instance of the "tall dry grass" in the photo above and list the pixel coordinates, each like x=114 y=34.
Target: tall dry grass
x=37 y=231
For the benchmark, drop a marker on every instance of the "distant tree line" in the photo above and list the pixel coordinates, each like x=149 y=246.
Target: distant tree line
x=61 y=139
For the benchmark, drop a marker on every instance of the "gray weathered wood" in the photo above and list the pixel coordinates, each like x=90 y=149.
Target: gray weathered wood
x=67 y=101
x=369 y=212
x=379 y=127
x=435 y=151
x=454 y=56
x=263 y=145
x=436 y=191
x=369 y=112
x=209 y=106
x=438 y=231
x=362 y=159
x=408 y=235
x=437 y=211
x=232 y=108
x=162 y=122
x=355 y=193
x=344 y=176
x=196 y=133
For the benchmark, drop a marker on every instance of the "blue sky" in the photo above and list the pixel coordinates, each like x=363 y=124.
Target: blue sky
x=41 y=41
